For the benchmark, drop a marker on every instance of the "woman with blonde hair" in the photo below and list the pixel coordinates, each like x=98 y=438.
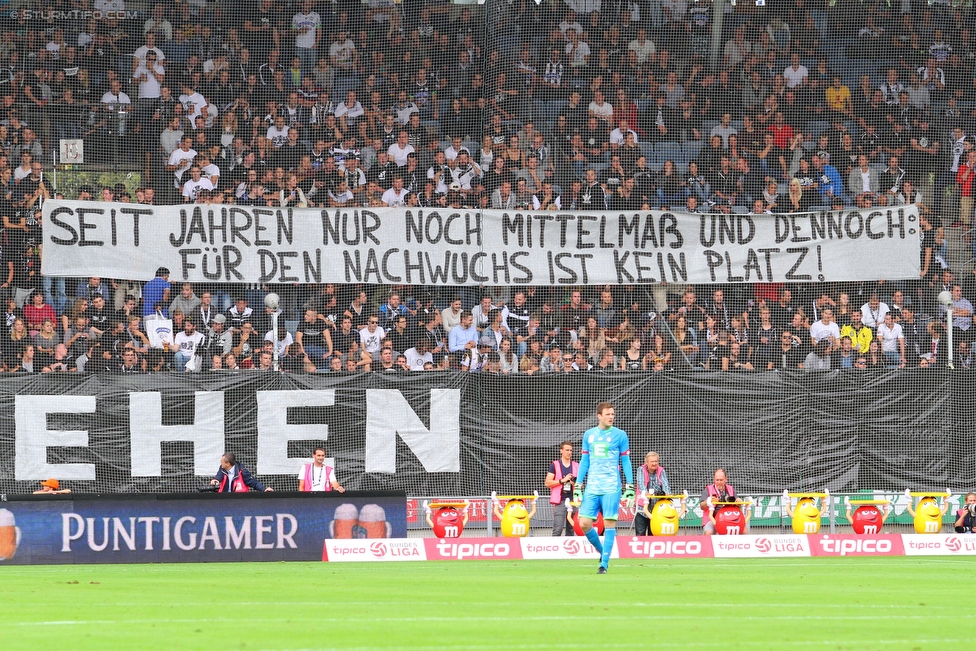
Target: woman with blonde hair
x=228 y=128
x=77 y=310
x=18 y=338
x=794 y=198
x=592 y=337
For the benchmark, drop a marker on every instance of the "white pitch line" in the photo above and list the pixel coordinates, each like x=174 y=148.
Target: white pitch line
x=461 y=619
x=475 y=604
x=764 y=644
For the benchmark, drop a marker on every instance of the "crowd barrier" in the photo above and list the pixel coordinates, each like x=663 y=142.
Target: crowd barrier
x=573 y=548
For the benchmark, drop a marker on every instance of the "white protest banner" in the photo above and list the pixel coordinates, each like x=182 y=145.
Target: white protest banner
x=220 y=243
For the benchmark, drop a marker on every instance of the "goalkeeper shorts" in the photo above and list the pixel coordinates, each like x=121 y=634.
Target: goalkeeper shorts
x=607 y=504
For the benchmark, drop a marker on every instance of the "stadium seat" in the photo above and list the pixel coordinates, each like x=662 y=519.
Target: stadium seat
x=692 y=148
x=669 y=149
x=816 y=127
x=553 y=107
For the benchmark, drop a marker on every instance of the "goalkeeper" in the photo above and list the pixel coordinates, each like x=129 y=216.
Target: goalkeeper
x=605 y=448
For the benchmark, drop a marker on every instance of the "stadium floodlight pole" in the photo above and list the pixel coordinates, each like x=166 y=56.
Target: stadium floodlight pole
x=945 y=298
x=271 y=302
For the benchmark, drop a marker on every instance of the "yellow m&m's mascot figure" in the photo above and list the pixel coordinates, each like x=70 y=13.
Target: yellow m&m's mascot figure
x=515 y=518
x=664 y=515
x=806 y=515
x=928 y=512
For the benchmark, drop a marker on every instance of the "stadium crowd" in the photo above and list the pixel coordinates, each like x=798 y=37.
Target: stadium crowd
x=114 y=326
x=564 y=104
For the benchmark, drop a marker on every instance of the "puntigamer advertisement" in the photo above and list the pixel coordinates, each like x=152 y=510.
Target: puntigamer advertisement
x=205 y=528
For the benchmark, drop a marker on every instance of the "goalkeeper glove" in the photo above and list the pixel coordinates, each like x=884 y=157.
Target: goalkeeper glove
x=577 y=494
x=629 y=494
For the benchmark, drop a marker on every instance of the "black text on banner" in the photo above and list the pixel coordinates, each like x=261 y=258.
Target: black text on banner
x=213 y=243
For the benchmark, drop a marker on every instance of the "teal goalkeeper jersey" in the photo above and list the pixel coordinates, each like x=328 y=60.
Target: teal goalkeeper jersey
x=604 y=449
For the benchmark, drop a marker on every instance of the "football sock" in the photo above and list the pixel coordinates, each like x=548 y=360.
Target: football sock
x=594 y=539
x=608 y=537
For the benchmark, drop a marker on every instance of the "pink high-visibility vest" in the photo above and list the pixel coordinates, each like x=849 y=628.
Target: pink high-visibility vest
x=556 y=494
x=713 y=492
x=647 y=480
x=308 y=477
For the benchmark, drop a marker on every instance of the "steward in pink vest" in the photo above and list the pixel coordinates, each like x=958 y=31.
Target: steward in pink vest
x=560 y=481
x=317 y=476
x=651 y=478
x=720 y=491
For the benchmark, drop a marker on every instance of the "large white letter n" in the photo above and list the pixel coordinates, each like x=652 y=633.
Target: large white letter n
x=388 y=413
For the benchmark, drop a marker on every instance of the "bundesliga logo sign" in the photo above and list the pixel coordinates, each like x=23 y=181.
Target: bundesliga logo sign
x=546 y=548
x=937 y=545
x=760 y=546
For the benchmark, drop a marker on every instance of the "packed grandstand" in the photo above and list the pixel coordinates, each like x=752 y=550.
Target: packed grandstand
x=745 y=108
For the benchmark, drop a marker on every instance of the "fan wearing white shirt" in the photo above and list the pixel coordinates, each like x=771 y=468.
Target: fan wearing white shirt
x=465 y=172
x=796 y=73
x=599 y=108
x=349 y=113
x=180 y=160
x=396 y=196
x=114 y=99
x=643 y=47
x=307 y=27
x=892 y=341
x=196 y=183
x=825 y=328
x=139 y=57
x=456 y=148
x=873 y=312
x=210 y=171
x=149 y=76
x=546 y=199
x=402 y=148
x=341 y=196
x=439 y=172
x=618 y=135
x=278 y=132
x=419 y=355
x=186 y=342
x=194 y=104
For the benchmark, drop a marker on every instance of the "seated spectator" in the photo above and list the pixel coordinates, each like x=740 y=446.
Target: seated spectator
x=829 y=185
x=863 y=182
x=37 y=311
x=819 y=358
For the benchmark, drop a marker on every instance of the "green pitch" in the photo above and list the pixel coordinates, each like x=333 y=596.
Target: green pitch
x=820 y=603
